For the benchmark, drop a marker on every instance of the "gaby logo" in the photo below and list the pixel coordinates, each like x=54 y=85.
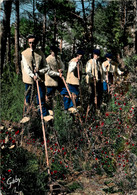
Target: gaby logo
x=11 y=181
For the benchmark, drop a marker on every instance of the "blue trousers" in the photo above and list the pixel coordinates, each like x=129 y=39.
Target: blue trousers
x=63 y=91
x=73 y=89
x=61 y=88
x=42 y=96
x=104 y=86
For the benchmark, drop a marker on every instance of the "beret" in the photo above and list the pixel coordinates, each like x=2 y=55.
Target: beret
x=80 y=52
x=109 y=55
x=30 y=36
x=54 y=49
x=96 y=51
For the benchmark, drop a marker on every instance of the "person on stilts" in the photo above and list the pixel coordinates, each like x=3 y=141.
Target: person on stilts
x=73 y=80
x=94 y=80
x=110 y=71
x=53 y=78
x=33 y=61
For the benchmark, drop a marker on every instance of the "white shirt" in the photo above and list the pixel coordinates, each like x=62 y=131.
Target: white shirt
x=72 y=66
x=54 y=73
x=89 y=67
x=111 y=69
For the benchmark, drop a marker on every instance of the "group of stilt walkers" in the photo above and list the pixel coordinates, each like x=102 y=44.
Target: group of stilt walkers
x=46 y=76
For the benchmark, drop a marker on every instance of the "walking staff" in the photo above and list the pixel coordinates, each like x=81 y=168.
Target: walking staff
x=95 y=90
x=107 y=79
x=81 y=99
x=70 y=95
x=43 y=128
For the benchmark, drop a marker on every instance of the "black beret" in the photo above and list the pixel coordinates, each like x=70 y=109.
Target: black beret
x=54 y=49
x=80 y=52
x=109 y=55
x=31 y=36
x=96 y=51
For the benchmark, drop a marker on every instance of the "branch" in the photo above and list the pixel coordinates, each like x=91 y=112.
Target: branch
x=76 y=15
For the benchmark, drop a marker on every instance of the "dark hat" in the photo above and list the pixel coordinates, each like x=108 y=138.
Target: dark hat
x=96 y=51
x=108 y=55
x=80 y=52
x=30 y=36
x=54 y=49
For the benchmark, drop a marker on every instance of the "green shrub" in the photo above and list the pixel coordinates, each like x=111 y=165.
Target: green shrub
x=24 y=165
x=131 y=62
x=12 y=96
x=74 y=186
x=62 y=123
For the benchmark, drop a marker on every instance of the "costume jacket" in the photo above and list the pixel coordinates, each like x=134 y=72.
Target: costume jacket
x=112 y=69
x=51 y=77
x=93 y=68
x=28 y=64
x=72 y=75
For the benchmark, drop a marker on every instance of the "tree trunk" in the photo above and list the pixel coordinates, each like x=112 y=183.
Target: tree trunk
x=4 y=31
x=55 y=27
x=60 y=46
x=85 y=22
x=92 y=23
x=74 y=46
x=9 y=48
x=125 y=19
x=44 y=28
x=17 y=37
x=34 y=19
x=135 y=26
x=136 y=42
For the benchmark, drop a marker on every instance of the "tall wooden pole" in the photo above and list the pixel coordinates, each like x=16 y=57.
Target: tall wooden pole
x=43 y=128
